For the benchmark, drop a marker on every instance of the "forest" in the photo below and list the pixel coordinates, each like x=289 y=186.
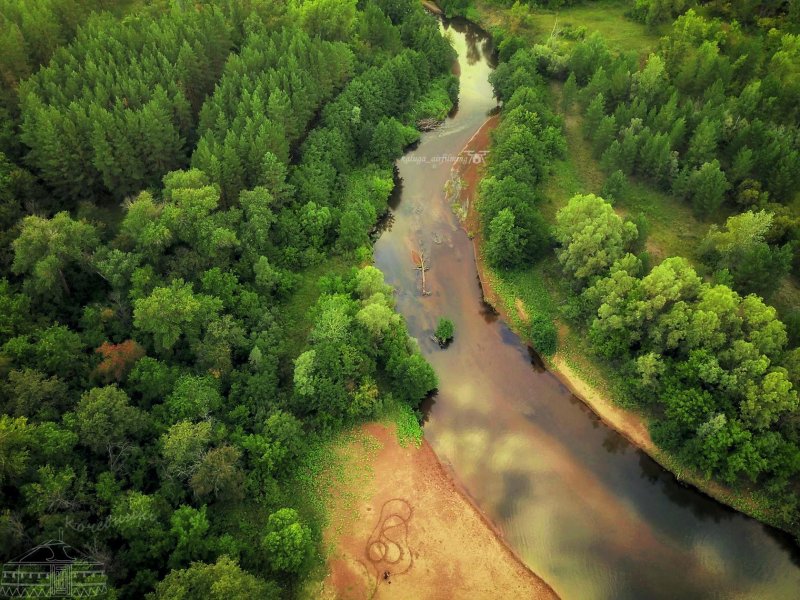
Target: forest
x=704 y=342
x=190 y=191
x=187 y=196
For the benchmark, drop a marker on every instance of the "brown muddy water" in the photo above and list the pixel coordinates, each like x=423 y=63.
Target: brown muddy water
x=591 y=514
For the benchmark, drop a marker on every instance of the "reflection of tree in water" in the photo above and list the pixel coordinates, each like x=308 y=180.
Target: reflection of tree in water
x=426 y=406
x=614 y=443
x=536 y=361
x=486 y=310
x=702 y=507
x=397 y=191
x=473 y=39
x=786 y=542
x=516 y=485
x=478 y=43
x=489 y=51
x=594 y=419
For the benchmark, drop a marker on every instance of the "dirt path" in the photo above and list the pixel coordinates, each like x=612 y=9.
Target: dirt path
x=418 y=536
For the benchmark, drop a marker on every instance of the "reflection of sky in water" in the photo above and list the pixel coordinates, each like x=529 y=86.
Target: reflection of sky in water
x=594 y=516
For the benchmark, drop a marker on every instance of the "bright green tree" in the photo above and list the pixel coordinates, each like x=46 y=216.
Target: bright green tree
x=288 y=541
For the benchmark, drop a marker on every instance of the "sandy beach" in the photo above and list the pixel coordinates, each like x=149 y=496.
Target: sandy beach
x=417 y=535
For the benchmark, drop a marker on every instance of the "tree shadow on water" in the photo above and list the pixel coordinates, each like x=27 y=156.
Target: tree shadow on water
x=516 y=486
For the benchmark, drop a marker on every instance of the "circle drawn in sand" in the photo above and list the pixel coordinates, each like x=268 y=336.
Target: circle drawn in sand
x=387 y=547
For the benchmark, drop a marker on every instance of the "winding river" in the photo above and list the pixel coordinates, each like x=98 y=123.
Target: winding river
x=592 y=515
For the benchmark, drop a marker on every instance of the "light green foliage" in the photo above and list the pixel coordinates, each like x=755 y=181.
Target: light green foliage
x=45 y=248
x=193 y=398
x=543 y=334
x=329 y=19
x=741 y=249
x=369 y=281
x=288 y=541
x=407 y=423
x=304 y=373
x=504 y=247
x=190 y=528
x=171 y=312
x=105 y=421
x=16 y=436
x=53 y=491
x=376 y=317
x=592 y=236
x=223 y=580
x=183 y=445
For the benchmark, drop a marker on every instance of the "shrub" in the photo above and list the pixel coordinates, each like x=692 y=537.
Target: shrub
x=543 y=334
x=444 y=331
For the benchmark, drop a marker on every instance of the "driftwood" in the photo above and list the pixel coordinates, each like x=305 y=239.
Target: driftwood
x=421 y=265
x=428 y=124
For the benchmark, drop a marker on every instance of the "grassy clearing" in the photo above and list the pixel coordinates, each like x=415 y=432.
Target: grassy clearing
x=608 y=18
x=787 y=298
x=333 y=475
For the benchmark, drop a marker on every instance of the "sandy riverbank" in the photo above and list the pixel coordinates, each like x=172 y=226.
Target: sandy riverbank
x=417 y=535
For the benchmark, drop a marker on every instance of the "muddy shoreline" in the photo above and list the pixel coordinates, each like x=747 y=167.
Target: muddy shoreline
x=628 y=424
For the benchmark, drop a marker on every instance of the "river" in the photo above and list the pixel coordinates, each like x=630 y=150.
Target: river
x=592 y=515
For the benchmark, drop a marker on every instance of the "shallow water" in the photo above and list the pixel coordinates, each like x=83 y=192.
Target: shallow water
x=591 y=514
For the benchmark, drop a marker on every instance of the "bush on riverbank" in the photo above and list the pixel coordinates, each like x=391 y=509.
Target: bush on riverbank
x=543 y=334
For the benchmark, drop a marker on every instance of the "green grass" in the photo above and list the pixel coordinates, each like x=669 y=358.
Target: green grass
x=608 y=18
x=330 y=483
x=787 y=298
x=406 y=421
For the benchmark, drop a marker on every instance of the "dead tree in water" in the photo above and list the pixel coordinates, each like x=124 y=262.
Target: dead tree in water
x=420 y=263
